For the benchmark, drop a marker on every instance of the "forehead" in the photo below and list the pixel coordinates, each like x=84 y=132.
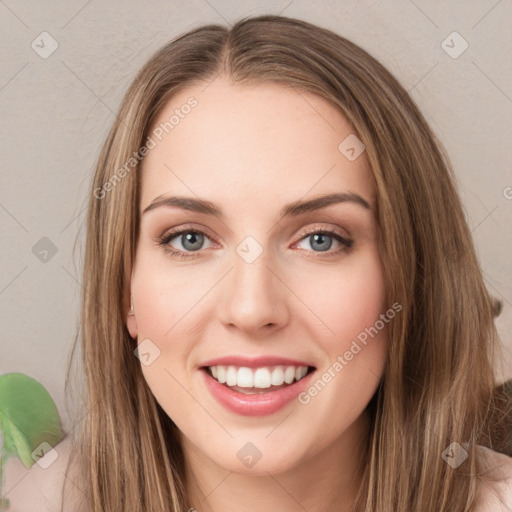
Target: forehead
x=256 y=144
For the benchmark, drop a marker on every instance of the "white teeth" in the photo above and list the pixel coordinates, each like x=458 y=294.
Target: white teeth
x=221 y=374
x=261 y=378
x=300 y=372
x=245 y=377
x=231 y=375
x=277 y=376
x=289 y=374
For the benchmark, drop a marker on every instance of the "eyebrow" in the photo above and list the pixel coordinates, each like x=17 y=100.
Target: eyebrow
x=292 y=209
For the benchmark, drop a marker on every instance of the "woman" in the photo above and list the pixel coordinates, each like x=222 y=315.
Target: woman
x=235 y=358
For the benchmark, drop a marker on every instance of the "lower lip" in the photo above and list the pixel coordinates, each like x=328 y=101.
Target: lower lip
x=261 y=404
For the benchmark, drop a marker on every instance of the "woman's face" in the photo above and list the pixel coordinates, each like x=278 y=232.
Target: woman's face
x=264 y=285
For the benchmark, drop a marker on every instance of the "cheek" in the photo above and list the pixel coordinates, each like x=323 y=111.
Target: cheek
x=355 y=346
x=355 y=355
x=165 y=315
x=348 y=300
x=170 y=312
x=356 y=311
x=167 y=298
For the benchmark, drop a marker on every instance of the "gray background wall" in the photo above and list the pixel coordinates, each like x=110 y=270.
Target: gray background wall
x=56 y=110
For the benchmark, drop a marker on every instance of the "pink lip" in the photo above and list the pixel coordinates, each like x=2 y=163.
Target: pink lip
x=255 y=362
x=258 y=404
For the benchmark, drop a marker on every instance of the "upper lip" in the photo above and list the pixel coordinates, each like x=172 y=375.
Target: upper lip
x=253 y=362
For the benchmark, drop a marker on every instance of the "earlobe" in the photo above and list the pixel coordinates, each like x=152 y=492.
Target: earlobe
x=131 y=322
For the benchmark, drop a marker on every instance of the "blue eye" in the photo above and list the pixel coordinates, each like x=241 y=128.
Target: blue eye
x=192 y=241
x=323 y=240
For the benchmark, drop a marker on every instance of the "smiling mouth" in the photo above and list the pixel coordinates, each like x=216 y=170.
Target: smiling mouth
x=260 y=380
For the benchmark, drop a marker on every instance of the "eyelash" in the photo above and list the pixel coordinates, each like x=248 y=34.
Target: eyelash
x=164 y=240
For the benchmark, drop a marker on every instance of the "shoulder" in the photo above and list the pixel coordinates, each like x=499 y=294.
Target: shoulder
x=494 y=492
x=40 y=487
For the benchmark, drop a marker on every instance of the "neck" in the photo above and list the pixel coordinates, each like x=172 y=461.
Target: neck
x=328 y=480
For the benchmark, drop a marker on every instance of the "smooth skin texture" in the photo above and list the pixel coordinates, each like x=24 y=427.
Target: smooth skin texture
x=251 y=150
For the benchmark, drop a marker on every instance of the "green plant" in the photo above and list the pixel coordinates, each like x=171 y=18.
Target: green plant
x=29 y=422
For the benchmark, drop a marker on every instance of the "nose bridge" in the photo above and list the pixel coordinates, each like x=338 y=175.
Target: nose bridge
x=253 y=296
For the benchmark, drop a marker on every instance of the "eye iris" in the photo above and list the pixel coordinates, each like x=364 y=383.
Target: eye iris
x=192 y=238
x=321 y=237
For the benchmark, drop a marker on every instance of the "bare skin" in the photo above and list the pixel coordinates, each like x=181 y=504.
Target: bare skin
x=251 y=150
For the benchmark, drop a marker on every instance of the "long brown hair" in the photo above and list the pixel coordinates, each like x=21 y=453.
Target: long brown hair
x=438 y=383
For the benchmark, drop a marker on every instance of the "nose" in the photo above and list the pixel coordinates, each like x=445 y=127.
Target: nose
x=253 y=297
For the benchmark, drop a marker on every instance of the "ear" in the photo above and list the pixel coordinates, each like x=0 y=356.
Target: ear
x=131 y=321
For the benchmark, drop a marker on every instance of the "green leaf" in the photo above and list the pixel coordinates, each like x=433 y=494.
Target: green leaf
x=28 y=418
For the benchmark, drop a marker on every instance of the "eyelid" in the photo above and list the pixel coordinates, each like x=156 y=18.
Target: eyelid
x=187 y=227
x=168 y=235
x=203 y=229
x=322 y=227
